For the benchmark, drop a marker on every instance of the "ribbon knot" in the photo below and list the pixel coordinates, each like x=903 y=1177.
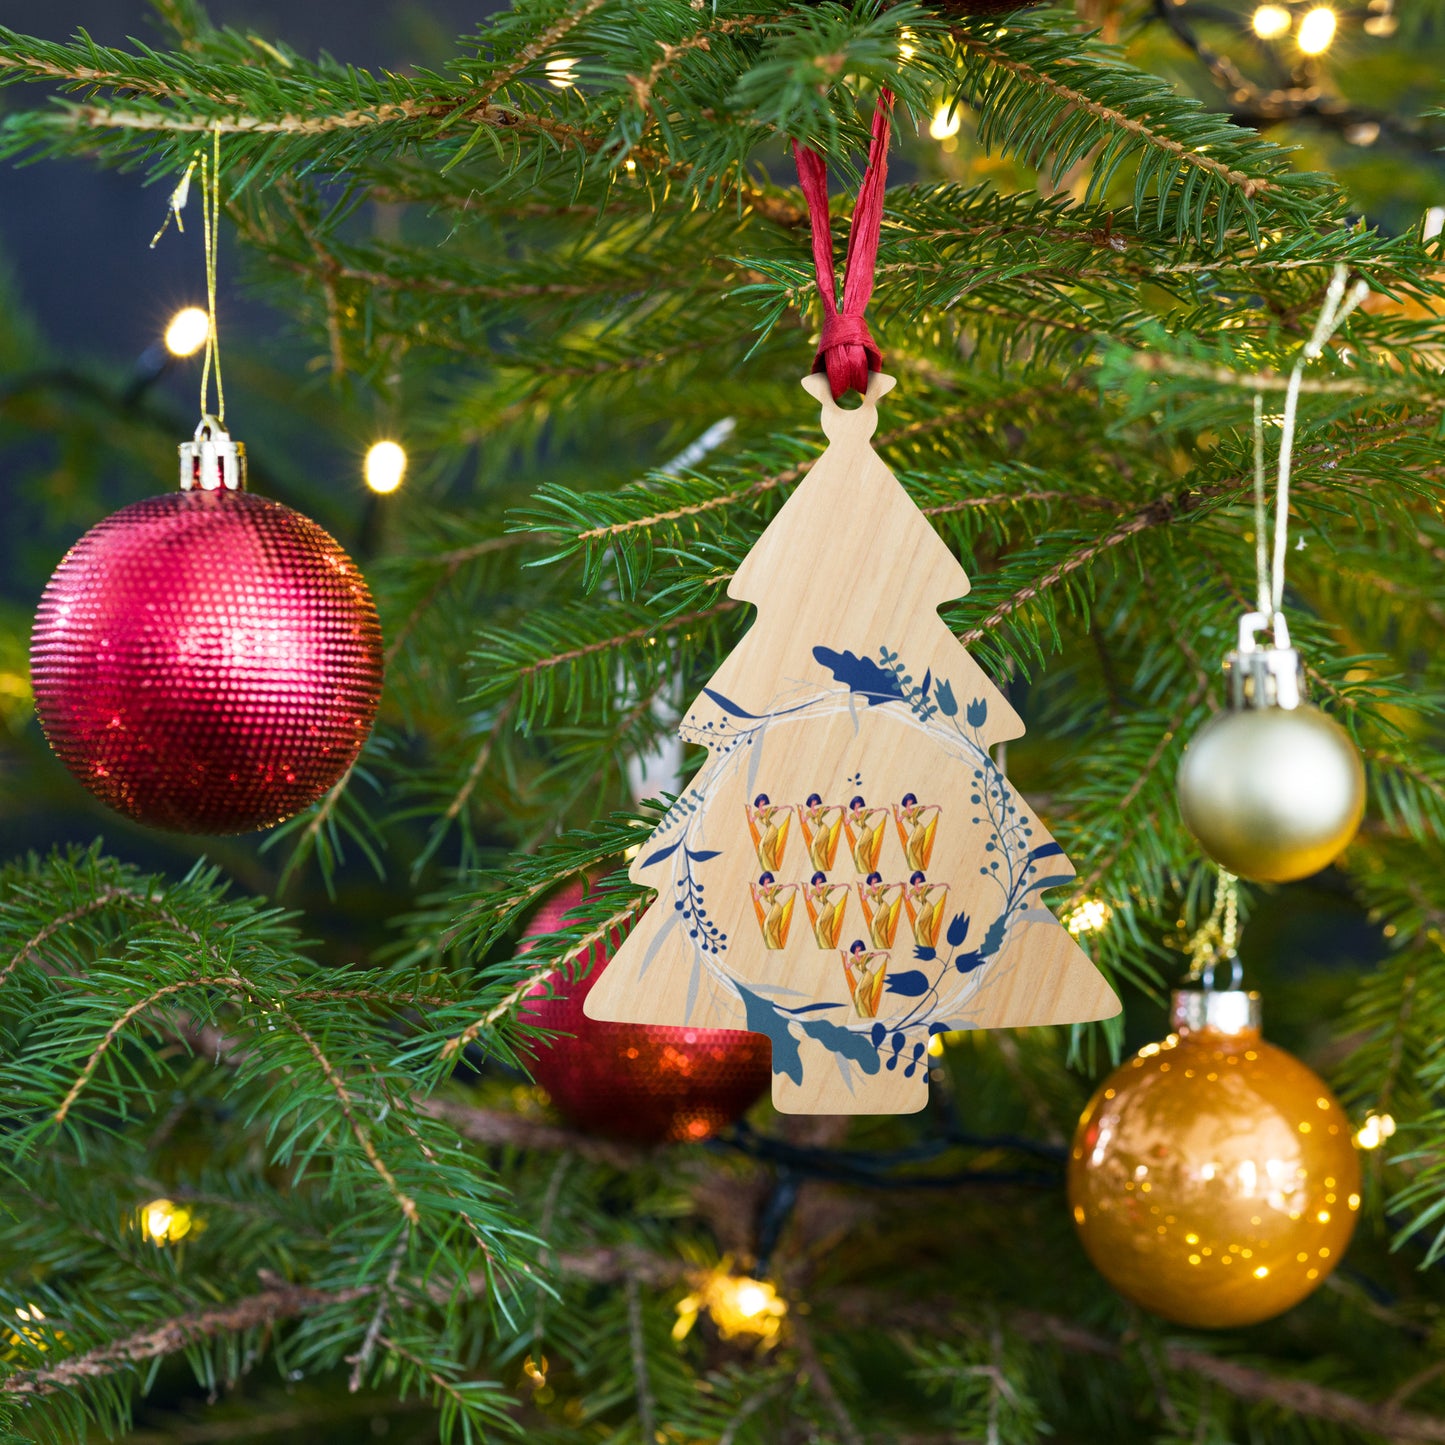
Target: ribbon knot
x=846 y=350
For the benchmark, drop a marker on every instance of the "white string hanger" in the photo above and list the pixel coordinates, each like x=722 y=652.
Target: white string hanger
x=1270 y=576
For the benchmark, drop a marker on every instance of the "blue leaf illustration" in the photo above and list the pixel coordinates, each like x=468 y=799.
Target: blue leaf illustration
x=977 y=712
x=912 y=983
x=861 y=675
x=943 y=696
x=809 y=1008
x=842 y=1041
x=924 y=954
x=703 y=854
x=763 y=1018
x=993 y=939
x=1045 y=850
x=728 y=705
x=957 y=929
x=661 y=854
x=967 y=962
x=927 y=683
x=1057 y=880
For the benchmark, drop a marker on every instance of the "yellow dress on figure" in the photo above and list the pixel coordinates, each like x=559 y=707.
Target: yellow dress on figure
x=881 y=911
x=866 y=842
x=821 y=835
x=927 y=921
x=917 y=829
x=773 y=903
x=826 y=911
x=865 y=974
x=770 y=833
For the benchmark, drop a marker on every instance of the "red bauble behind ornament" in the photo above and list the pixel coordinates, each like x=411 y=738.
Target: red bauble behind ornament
x=634 y=1081
x=207 y=661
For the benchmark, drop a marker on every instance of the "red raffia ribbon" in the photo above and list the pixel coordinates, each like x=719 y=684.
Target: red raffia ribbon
x=846 y=350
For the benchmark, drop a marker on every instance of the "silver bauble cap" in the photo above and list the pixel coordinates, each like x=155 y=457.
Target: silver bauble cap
x=1264 y=676
x=1222 y=1011
x=211 y=461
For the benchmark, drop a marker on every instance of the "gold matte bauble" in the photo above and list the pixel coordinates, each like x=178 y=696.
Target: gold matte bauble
x=1272 y=794
x=1214 y=1179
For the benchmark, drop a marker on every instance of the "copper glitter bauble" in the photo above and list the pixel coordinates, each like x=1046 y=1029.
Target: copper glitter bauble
x=1214 y=1178
x=633 y=1081
x=207 y=661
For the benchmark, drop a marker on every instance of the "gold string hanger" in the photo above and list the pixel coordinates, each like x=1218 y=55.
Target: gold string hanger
x=1216 y=940
x=210 y=169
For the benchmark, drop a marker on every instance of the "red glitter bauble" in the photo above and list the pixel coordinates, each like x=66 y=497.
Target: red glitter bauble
x=636 y=1081
x=207 y=661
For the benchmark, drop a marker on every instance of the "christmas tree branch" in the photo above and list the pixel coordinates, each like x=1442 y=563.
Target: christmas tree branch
x=504 y=1129
x=120 y=1024
x=1376 y=388
x=102 y=900
x=344 y=1101
x=545 y=963
x=277 y=1302
x=820 y=1382
x=976 y=46
x=528 y=54
x=1244 y=1382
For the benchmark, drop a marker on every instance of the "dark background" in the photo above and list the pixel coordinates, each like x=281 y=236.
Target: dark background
x=77 y=237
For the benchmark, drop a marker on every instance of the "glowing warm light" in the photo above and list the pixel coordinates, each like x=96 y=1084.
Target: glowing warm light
x=752 y=1298
x=32 y=1328
x=946 y=121
x=385 y=467
x=165 y=1221
x=1317 y=30
x=562 y=72
x=1270 y=22
x=535 y=1371
x=1089 y=917
x=188 y=331
x=906 y=48
x=1374 y=1131
x=737 y=1304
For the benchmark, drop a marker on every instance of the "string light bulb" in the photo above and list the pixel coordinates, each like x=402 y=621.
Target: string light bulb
x=1090 y=916
x=946 y=121
x=737 y=1304
x=187 y=331
x=1317 y=30
x=1374 y=1131
x=385 y=467
x=166 y=1222
x=562 y=72
x=32 y=1328
x=1270 y=22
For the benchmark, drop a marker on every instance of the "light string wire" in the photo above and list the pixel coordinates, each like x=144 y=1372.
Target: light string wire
x=211 y=218
x=1337 y=306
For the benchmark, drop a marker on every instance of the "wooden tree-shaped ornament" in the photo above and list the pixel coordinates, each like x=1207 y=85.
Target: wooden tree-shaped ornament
x=850 y=873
